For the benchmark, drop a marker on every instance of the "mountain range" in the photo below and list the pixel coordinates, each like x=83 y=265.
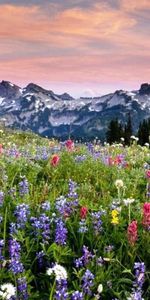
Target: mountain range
x=48 y=114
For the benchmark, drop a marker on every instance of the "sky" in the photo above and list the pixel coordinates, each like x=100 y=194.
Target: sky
x=83 y=47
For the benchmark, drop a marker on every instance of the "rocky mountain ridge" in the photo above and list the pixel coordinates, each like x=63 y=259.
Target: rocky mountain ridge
x=44 y=112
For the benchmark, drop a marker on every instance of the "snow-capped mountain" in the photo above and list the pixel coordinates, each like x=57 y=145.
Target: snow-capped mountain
x=50 y=114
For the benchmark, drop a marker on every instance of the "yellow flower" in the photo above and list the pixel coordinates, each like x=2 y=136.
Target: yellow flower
x=114 y=213
x=115 y=219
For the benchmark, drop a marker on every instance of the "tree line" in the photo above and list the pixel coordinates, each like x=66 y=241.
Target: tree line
x=116 y=131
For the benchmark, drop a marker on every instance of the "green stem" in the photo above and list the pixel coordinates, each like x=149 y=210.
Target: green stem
x=129 y=213
x=52 y=292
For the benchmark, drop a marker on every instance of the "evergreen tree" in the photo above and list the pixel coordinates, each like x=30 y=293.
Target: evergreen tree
x=144 y=132
x=114 y=132
x=128 y=130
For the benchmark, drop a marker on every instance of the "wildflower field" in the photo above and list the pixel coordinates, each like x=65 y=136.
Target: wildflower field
x=74 y=220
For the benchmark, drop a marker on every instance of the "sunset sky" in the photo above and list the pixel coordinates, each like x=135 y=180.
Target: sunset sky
x=84 y=47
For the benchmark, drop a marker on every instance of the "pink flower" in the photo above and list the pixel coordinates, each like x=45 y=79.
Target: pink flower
x=54 y=160
x=83 y=212
x=148 y=174
x=146 y=215
x=69 y=145
x=132 y=233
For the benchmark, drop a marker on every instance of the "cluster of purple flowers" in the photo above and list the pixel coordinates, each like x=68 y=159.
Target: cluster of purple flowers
x=22 y=288
x=1 y=254
x=64 y=207
x=22 y=212
x=77 y=296
x=40 y=258
x=84 y=259
x=1 y=198
x=139 y=269
x=72 y=190
x=46 y=206
x=13 y=228
x=87 y=282
x=60 y=232
x=80 y=158
x=97 y=222
x=41 y=227
x=61 y=290
x=15 y=256
x=83 y=226
x=23 y=187
x=90 y=147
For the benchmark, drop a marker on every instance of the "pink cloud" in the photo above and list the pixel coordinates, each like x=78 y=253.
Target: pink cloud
x=96 y=45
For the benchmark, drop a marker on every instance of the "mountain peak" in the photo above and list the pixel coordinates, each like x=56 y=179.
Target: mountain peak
x=66 y=96
x=144 y=89
x=8 y=89
x=32 y=87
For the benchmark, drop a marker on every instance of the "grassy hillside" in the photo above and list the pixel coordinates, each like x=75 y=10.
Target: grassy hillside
x=74 y=219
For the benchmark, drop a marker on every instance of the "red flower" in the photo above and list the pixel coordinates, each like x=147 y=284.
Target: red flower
x=54 y=160
x=146 y=215
x=148 y=173
x=83 y=212
x=132 y=233
x=69 y=145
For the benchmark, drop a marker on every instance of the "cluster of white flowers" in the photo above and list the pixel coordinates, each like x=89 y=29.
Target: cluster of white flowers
x=119 y=183
x=7 y=291
x=128 y=201
x=134 y=138
x=59 y=272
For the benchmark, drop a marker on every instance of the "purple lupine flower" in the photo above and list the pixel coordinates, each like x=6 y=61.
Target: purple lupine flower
x=14 y=251
x=87 y=282
x=82 y=226
x=80 y=158
x=87 y=255
x=139 y=269
x=44 y=154
x=13 y=228
x=90 y=147
x=79 y=262
x=12 y=152
x=45 y=206
x=60 y=232
x=16 y=266
x=60 y=203
x=61 y=290
x=22 y=288
x=40 y=255
x=1 y=254
x=64 y=207
x=1 y=198
x=97 y=222
x=72 y=190
x=77 y=296
x=139 y=274
x=41 y=227
x=100 y=261
x=21 y=212
x=23 y=187
x=84 y=259
x=45 y=226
